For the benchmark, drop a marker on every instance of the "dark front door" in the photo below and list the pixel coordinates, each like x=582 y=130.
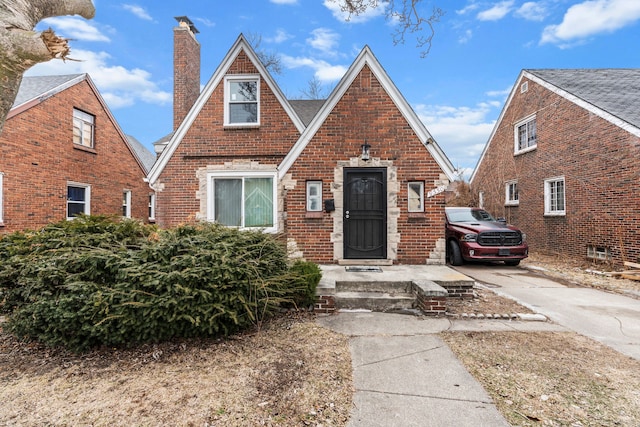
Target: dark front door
x=365 y=213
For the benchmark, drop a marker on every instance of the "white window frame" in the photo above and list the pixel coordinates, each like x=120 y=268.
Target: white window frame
x=420 y=207
x=241 y=175
x=317 y=197
x=152 y=206
x=516 y=135
x=511 y=197
x=82 y=120
x=87 y=198
x=549 y=209
x=126 y=203
x=227 y=98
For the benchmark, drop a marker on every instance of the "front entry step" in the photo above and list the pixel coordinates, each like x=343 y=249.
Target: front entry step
x=375 y=301
x=381 y=296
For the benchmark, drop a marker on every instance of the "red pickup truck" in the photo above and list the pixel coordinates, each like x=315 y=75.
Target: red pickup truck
x=473 y=234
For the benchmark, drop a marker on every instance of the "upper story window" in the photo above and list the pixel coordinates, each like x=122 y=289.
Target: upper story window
x=525 y=135
x=415 y=196
x=554 y=196
x=511 y=193
x=242 y=101
x=78 y=200
x=314 y=196
x=83 y=124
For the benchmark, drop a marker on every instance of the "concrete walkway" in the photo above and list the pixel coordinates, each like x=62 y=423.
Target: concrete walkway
x=405 y=375
x=612 y=319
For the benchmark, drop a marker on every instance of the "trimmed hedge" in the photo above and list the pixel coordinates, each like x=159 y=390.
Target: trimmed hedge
x=96 y=281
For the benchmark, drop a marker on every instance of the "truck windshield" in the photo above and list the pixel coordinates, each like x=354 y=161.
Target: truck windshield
x=469 y=216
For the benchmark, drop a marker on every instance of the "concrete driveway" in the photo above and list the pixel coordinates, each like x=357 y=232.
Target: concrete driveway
x=609 y=318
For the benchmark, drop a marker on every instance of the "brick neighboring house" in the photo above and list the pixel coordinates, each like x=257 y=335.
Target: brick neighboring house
x=563 y=162
x=245 y=156
x=62 y=152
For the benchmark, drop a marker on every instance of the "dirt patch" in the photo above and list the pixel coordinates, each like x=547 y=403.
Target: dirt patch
x=552 y=379
x=291 y=373
x=582 y=273
x=485 y=302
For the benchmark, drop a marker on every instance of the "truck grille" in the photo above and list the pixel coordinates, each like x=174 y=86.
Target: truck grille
x=500 y=238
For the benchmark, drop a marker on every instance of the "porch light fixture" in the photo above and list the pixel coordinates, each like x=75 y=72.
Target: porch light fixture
x=365 y=151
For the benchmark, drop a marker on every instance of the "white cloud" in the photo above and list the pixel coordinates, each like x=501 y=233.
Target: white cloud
x=119 y=86
x=75 y=28
x=468 y=34
x=206 y=22
x=469 y=8
x=280 y=37
x=367 y=15
x=324 y=40
x=138 y=11
x=497 y=12
x=590 y=18
x=461 y=132
x=532 y=11
x=323 y=71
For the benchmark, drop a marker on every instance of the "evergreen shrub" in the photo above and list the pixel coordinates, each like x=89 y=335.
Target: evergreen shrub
x=99 y=281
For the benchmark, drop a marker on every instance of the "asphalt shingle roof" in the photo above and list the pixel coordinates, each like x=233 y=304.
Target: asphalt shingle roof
x=33 y=87
x=614 y=90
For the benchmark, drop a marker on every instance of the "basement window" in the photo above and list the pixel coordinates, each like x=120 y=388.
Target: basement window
x=599 y=253
x=242 y=101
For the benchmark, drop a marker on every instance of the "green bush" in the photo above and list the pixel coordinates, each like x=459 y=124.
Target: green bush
x=95 y=281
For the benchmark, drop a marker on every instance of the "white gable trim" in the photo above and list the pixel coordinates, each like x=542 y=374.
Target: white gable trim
x=564 y=94
x=496 y=124
x=217 y=78
x=585 y=105
x=366 y=57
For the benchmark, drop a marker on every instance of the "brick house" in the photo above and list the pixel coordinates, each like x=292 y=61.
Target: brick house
x=63 y=153
x=563 y=162
x=353 y=178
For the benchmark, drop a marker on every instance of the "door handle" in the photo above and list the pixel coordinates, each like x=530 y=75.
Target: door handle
x=347 y=214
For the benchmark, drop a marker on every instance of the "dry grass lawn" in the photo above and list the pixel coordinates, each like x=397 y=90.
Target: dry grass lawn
x=291 y=373
x=295 y=373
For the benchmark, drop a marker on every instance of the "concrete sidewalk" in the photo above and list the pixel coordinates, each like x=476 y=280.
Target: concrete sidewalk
x=405 y=375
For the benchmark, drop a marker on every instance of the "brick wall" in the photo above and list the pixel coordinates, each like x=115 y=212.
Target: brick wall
x=186 y=73
x=209 y=143
x=38 y=158
x=365 y=112
x=599 y=162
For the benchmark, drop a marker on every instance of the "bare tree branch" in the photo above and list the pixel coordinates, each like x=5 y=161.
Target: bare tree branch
x=407 y=15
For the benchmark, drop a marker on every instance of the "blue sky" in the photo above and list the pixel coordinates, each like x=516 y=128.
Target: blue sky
x=458 y=90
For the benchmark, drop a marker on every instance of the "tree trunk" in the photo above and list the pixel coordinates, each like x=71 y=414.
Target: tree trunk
x=21 y=47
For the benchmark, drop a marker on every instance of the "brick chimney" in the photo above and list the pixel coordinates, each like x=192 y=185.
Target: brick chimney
x=186 y=69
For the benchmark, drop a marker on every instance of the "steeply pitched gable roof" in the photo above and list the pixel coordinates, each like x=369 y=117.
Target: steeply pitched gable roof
x=616 y=91
x=366 y=57
x=241 y=44
x=610 y=93
x=36 y=89
x=146 y=156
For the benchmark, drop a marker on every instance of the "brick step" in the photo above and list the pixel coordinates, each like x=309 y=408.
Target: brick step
x=375 y=301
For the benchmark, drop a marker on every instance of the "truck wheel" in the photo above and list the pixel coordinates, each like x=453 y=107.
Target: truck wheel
x=455 y=257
